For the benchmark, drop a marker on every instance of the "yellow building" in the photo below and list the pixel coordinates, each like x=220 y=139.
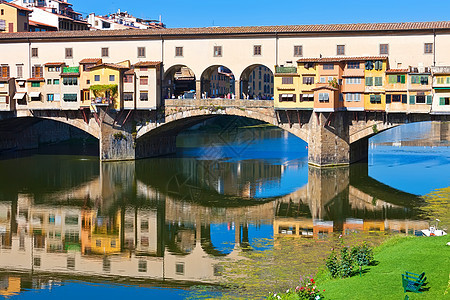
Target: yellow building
x=106 y=83
x=287 y=91
x=85 y=79
x=396 y=90
x=375 y=77
x=106 y=234
x=13 y=18
x=420 y=90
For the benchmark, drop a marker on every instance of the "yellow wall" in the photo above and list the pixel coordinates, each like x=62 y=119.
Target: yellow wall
x=11 y=15
x=280 y=89
x=369 y=90
x=104 y=73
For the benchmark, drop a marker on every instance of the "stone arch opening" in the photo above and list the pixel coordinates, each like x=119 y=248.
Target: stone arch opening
x=218 y=81
x=27 y=133
x=256 y=82
x=179 y=82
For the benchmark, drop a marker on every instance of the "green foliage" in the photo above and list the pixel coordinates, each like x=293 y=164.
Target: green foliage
x=332 y=264
x=334 y=83
x=374 y=128
x=119 y=136
x=98 y=88
x=362 y=255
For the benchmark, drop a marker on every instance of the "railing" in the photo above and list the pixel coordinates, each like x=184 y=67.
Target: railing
x=199 y=103
x=101 y=100
x=285 y=70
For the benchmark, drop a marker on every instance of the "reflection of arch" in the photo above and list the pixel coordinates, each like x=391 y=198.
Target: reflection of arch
x=217 y=81
x=207 y=244
x=180 y=238
x=177 y=80
x=259 y=87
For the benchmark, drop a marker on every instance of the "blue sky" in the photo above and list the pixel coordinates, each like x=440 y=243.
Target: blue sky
x=202 y=13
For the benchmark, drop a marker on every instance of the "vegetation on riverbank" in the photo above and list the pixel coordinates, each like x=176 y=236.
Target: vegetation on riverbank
x=394 y=257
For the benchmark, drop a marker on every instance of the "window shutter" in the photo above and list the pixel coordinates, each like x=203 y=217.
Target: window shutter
x=404 y=99
x=388 y=99
x=402 y=79
x=441 y=101
x=33 y=72
x=293 y=97
x=280 y=98
x=300 y=97
x=372 y=98
x=429 y=99
x=369 y=81
x=412 y=99
x=391 y=79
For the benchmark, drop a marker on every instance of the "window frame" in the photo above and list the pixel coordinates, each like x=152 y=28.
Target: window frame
x=257 y=50
x=340 y=50
x=141 y=52
x=298 y=50
x=428 y=48
x=179 y=51
x=68 y=53
x=104 y=52
x=381 y=48
x=217 y=51
x=34 y=52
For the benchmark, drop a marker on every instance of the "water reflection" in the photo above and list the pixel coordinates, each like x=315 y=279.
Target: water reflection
x=121 y=224
x=175 y=220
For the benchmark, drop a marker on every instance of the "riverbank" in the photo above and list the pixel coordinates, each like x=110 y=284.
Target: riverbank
x=394 y=257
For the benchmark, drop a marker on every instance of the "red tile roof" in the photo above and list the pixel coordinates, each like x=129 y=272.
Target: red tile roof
x=4 y=79
x=35 y=23
x=36 y=79
x=147 y=64
x=16 y=6
x=282 y=29
x=397 y=71
x=129 y=72
x=54 y=64
x=113 y=66
x=341 y=59
x=91 y=61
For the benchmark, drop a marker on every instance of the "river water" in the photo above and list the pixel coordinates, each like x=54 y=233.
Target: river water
x=160 y=227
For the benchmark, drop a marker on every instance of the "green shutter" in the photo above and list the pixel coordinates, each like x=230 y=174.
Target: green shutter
x=402 y=79
x=378 y=98
x=414 y=79
x=369 y=81
x=441 y=101
x=448 y=79
x=378 y=81
x=388 y=98
x=372 y=98
x=404 y=98
x=429 y=99
x=392 y=79
x=412 y=99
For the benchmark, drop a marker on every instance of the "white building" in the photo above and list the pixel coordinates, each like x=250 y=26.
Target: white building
x=121 y=20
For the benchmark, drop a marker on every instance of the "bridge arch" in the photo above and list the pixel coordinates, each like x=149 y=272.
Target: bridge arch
x=256 y=81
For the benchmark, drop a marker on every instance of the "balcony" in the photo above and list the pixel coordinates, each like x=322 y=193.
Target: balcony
x=285 y=70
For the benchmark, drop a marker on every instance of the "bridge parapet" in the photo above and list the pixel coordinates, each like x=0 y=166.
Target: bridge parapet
x=218 y=103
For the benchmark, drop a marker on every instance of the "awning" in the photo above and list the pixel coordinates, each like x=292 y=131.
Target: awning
x=35 y=94
x=19 y=96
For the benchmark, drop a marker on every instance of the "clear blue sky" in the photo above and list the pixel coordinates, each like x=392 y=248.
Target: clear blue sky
x=202 y=13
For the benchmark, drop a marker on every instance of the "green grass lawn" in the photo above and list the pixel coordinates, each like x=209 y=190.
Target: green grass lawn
x=397 y=255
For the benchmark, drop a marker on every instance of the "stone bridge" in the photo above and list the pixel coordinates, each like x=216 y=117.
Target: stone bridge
x=335 y=138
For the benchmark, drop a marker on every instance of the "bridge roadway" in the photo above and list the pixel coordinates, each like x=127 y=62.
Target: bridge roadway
x=334 y=138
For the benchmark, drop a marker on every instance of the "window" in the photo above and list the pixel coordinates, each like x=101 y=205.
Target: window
x=217 y=51
x=106 y=264
x=113 y=244
x=97 y=78
x=4 y=71
x=35 y=84
x=143 y=96
x=128 y=96
x=49 y=81
x=378 y=81
x=352 y=97
x=340 y=50
x=178 y=51
x=71 y=263
x=142 y=266
x=19 y=71
x=428 y=48
x=323 y=80
x=105 y=52
x=420 y=99
x=353 y=65
x=69 y=53
x=34 y=52
x=324 y=97
x=37 y=262
x=141 y=52
x=375 y=99
x=369 y=81
x=128 y=78
x=98 y=243
x=308 y=80
x=353 y=80
x=56 y=81
x=440 y=80
x=257 y=50
x=298 y=51
x=287 y=97
x=179 y=268
x=143 y=81
x=328 y=67
x=444 y=101
x=70 y=97
x=2 y=12
x=384 y=49
x=287 y=80
x=112 y=77
x=70 y=81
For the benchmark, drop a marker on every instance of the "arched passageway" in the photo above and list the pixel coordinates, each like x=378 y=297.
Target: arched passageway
x=256 y=82
x=218 y=82
x=179 y=82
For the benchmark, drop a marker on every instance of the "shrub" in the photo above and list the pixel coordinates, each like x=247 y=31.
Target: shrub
x=342 y=265
x=307 y=290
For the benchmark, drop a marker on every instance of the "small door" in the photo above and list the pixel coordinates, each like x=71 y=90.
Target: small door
x=11 y=27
